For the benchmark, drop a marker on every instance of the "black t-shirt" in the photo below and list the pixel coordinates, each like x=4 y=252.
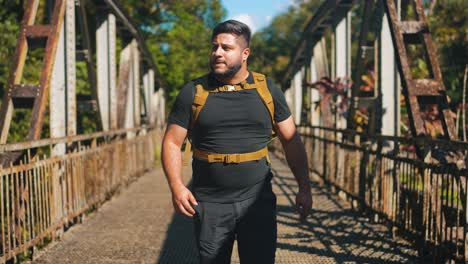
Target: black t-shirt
x=230 y=122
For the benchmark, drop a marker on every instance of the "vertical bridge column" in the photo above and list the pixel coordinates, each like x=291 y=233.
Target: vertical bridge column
x=314 y=95
x=63 y=83
x=148 y=89
x=342 y=70
x=297 y=96
x=319 y=69
x=342 y=46
x=342 y=58
x=106 y=68
x=389 y=92
x=388 y=82
x=129 y=87
x=135 y=83
x=159 y=107
x=62 y=96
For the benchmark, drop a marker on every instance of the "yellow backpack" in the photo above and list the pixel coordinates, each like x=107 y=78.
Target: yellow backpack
x=201 y=95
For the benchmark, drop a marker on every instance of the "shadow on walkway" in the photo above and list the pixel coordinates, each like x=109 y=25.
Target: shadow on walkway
x=180 y=245
x=333 y=234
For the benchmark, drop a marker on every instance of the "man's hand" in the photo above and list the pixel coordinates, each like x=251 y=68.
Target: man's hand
x=183 y=200
x=297 y=161
x=304 y=202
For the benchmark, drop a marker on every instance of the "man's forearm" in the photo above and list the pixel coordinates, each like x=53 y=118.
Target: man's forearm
x=172 y=164
x=297 y=160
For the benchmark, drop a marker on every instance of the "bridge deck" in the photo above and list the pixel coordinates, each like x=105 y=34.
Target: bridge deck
x=138 y=226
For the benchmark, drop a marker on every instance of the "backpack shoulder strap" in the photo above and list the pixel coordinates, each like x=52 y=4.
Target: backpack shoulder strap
x=264 y=93
x=199 y=101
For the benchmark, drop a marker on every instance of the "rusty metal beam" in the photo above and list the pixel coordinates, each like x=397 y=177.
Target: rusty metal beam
x=87 y=54
x=106 y=68
x=46 y=72
x=416 y=122
x=70 y=52
x=123 y=84
x=47 y=36
x=327 y=15
x=16 y=70
x=136 y=84
x=51 y=32
x=62 y=96
x=25 y=91
x=148 y=90
x=38 y=31
x=119 y=11
x=22 y=146
x=413 y=27
x=425 y=87
x=359 y=66
x=404 y=32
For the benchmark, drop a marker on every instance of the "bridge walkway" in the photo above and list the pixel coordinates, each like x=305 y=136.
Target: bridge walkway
x=138 y=225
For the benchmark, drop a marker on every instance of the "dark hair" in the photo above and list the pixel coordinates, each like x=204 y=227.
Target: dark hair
x=233 y=27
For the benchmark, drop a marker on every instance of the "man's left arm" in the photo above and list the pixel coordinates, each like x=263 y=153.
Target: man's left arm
x=297 y=161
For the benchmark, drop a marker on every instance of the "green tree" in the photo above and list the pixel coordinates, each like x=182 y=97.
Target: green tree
x=10 y=14
x=448 y=20
x=178 y=36
x=273 y=46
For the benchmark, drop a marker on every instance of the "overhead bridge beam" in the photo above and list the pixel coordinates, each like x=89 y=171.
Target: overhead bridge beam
x=55 y=90
x=119 y=11
x=330 y=13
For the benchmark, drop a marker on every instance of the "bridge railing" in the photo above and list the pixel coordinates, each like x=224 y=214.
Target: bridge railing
x=424 y=199
x=44 y=193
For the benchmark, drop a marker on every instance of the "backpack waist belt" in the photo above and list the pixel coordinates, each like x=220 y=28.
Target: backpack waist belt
x=230 y=158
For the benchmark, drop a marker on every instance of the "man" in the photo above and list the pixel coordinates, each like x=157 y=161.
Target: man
x=232 y=199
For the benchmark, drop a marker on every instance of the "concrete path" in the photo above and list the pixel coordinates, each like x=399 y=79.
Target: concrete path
x=139 y=226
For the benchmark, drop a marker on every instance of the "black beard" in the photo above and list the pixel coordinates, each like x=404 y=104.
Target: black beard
x=231 y=71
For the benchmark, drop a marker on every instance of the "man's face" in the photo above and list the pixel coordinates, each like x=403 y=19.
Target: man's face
x=228 y=52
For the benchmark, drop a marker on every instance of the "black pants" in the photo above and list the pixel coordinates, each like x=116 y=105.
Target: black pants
x=252 y=222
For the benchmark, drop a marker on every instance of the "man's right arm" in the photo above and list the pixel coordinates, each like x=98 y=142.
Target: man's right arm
x=182 y=198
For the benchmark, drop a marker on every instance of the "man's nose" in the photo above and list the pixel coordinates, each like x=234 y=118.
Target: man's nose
x=218 y=51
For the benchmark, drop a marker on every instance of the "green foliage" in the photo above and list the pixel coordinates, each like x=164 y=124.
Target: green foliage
x=11 y=14
x=178 y=36
x=9 y=28
x=82 y=83
x=448 y=23
x=273 y=46
x=9 y=31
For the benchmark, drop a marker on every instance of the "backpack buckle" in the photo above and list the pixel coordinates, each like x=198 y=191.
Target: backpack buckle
x=232 y=158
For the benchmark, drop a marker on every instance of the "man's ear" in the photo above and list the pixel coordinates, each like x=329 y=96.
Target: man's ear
x=245 y=54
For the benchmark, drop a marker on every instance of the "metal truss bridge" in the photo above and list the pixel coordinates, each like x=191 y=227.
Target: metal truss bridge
x=101 y=197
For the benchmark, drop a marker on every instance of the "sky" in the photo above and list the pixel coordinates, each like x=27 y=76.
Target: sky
x=255 y=13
